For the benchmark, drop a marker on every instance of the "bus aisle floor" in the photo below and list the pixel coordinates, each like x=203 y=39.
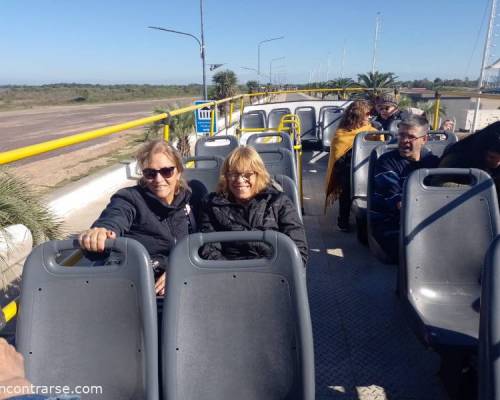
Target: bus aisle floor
x=364 y=348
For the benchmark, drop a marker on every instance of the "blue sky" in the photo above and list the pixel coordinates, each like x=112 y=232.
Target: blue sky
x=106 y=41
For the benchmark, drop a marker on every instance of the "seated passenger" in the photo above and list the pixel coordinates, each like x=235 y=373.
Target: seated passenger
x=246 y=201
x=338 y=173
x=387 y=111
x=390 y=173
x=479 y=150
x=155 y=212
x=447 y=125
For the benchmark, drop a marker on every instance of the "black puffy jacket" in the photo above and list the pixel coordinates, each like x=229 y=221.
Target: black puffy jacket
x=269 y=210
x=136 y=213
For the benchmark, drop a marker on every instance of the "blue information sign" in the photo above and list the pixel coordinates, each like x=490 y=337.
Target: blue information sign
x=203 y=118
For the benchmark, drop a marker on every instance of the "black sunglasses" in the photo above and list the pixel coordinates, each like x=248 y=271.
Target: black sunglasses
x=150 y=173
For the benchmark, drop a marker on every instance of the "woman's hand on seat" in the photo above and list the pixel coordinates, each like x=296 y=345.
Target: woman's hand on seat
x=160 y=284
x=95 y=238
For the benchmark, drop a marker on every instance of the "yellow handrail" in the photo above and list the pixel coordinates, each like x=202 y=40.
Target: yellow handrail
x=293 y=121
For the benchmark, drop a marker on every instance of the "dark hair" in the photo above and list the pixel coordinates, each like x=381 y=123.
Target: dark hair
x=355 y=114
x=493 y=142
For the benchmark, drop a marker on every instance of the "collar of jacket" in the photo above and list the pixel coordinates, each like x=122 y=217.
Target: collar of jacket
x=180 y=199
x=224 y=200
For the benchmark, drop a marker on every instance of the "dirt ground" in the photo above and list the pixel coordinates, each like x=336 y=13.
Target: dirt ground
x=51 y=173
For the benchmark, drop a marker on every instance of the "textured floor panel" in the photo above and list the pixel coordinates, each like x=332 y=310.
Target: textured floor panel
x=364 y=348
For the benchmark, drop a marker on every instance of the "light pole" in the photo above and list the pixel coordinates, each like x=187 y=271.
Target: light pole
x=271 y=68
x=258 y=50
x=201 y=43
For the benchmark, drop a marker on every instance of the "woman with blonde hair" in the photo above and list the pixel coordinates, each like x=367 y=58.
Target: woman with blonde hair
x=246 y=201
x=356 y=119
x=155 y=212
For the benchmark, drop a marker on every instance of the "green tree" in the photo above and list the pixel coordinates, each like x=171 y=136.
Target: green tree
x=428 y=108
x=377 y=80
x=225 y=85
x=181 y=126
x=342 y=83
x=252 y=86
x=19 y=204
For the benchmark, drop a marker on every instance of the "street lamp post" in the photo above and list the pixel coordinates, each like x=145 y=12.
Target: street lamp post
x=201 y=43
x=258 y=50
x=271 y=68
x=252 y=69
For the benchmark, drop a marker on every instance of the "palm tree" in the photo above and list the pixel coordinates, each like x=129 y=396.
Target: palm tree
x=428 y=108
x=377 y=80
x=342 y=83
x=19 y=204
x=225 y=85
x=181 y=126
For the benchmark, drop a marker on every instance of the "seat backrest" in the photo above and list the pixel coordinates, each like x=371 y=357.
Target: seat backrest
x=290 y=189
x=329 y=118
x=255 y=119
x=204 y=175
x=394 y=126
x=92 y=326
x=237 y=329
x=446 y=231
x=307 y=116
x=361 y=150
x=274 y=118
x=270 y=141
x=280 y=162
x=439 y=140
x=489 y=326
x=220 y=145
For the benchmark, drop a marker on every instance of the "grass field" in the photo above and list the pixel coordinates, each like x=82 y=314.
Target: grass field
x=21 y=97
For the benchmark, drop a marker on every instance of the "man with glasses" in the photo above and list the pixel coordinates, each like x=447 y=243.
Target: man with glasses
x=390 y=172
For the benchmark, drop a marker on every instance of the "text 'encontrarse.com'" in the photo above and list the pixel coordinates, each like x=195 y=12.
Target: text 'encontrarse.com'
x=49 y=390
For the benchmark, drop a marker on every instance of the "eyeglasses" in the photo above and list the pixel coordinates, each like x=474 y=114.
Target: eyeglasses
x=150 y=173
x=406 y=138
x=234 y=176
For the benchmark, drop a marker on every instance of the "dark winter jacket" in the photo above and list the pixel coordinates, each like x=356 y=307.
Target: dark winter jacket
x=391 y=171
x=136 y=213
x=470 y=152
x=269 y=210
x=388 y=124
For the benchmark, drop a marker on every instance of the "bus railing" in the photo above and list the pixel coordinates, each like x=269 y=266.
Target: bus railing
x=10 y=156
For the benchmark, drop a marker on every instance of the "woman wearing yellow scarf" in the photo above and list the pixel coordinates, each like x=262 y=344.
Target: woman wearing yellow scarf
x=356 y=119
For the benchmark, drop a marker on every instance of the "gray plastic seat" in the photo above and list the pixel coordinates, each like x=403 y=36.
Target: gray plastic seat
x=489 y=326
x=446 y=231
x=439 y=141
x=274 y=117
x=308 y=126
x=90 y=326
x=290 y=189
x=237 y=329
x=220 y=145
x=281 y=140
x=254 y=119
x=204 y=177
x=329 y=120
x=280 y=162
x=361 y=150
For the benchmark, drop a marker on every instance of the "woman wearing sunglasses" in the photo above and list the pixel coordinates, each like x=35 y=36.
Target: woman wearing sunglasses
x=247 y=201
x=155 y=212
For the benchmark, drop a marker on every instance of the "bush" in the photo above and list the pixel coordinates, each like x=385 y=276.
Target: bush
x=19 y=204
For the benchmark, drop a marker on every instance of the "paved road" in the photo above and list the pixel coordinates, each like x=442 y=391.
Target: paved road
x=26 y=127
